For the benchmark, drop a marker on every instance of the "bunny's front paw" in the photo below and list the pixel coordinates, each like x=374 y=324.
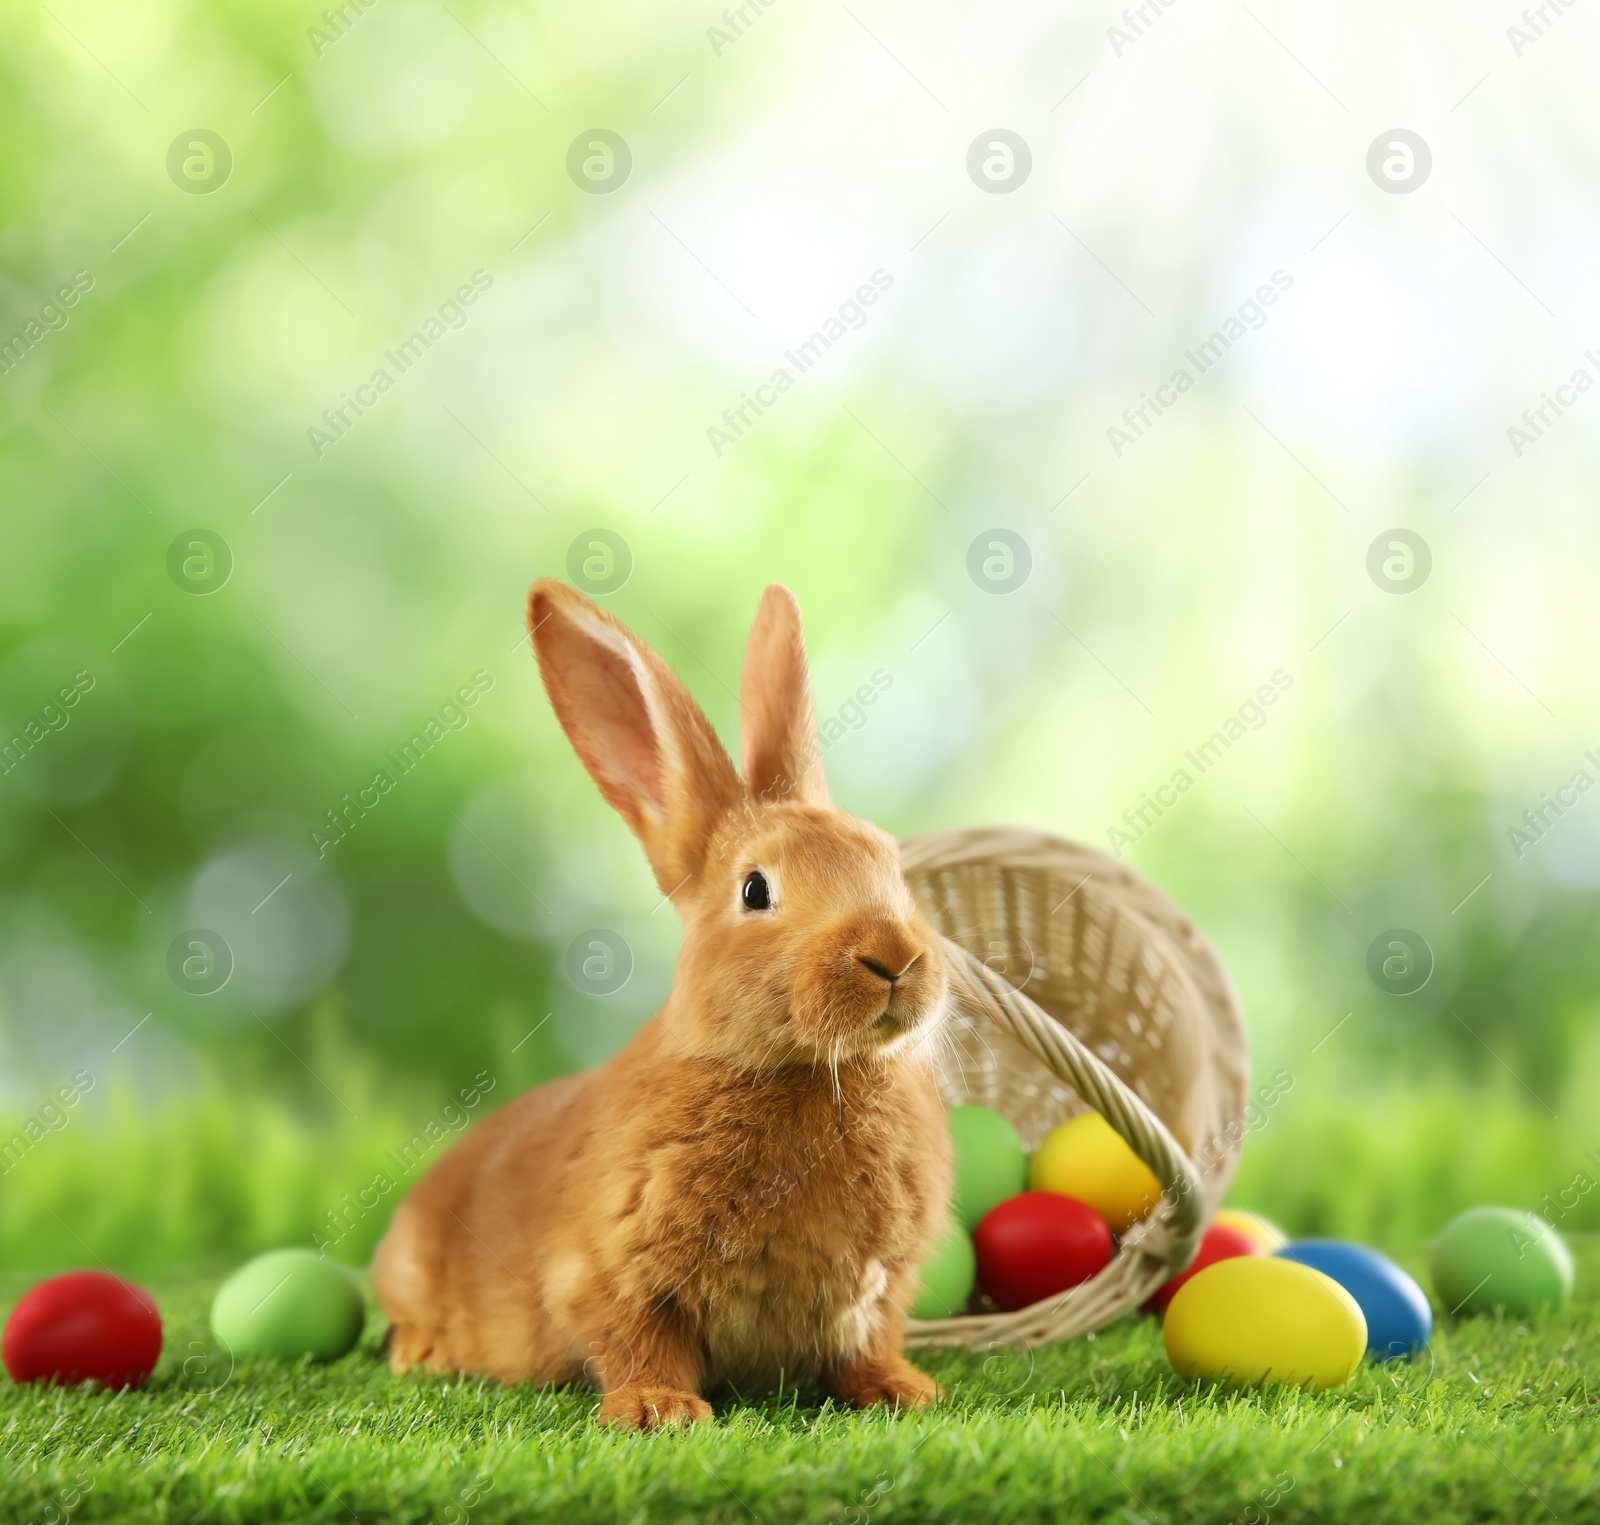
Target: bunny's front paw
x=411 y=1348
x=634 y=1407
x=895 y=1382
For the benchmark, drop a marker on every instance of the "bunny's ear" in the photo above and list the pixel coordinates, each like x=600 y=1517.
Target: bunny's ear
x=782 y=756
x=645 y=742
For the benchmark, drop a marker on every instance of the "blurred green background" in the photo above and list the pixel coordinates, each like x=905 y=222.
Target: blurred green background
x=321 y=606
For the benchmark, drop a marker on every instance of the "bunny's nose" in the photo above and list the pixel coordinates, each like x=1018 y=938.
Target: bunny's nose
x=883 y=971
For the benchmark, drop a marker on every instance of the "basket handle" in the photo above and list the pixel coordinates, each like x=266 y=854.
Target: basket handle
x=1066 y=1057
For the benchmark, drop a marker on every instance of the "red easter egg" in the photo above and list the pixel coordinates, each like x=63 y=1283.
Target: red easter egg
x=84 y=1326
x=1218 y=1243
x=1037 y=1244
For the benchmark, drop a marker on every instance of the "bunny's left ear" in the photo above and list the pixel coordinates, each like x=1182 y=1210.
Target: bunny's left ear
x=634 y=726
x=778 y=727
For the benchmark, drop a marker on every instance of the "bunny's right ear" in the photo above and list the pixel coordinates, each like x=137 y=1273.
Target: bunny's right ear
x=634 y=726
x=782 y=756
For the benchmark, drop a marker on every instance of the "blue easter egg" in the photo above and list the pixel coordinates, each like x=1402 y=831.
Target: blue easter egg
x=1399 y=1319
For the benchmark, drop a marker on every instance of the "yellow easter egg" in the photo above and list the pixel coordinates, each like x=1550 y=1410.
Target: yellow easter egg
x=1264 y=1231
x=1088 y=1159
x=1256 y=1318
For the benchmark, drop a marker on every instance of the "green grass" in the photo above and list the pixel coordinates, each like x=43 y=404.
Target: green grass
x=227 y=1172
x=1498 y=1422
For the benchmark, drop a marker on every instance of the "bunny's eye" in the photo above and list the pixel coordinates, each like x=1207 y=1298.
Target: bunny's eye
x=755 y=896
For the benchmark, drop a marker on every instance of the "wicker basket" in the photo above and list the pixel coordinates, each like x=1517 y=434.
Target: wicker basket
x=1077 y=985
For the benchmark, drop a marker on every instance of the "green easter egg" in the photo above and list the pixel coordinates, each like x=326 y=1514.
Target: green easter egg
x=1498 y=1257
x=990 y=1164
x=289 y=1303
x=947 y=1275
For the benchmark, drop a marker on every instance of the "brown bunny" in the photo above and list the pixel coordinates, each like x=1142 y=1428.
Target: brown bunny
x=745 y=1192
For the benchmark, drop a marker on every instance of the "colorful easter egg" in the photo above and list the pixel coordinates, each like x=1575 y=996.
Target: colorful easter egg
x=947 y=1275
x=1396 y=1309
x=1038 y=1244
x=1256 y=1318
x=289 y=1303
x=989 y=1163
x=1219 y=1243
x=1264 y=1231
x=1497 y=1257
x=1087 y=1159
x=84 y=1326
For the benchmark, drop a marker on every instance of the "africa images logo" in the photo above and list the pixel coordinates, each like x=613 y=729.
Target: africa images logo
x=1252 y=313
x=344 y=415
x=852 y=313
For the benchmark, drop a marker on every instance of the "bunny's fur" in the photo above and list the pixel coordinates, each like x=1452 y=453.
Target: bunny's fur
x=744 y=1192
